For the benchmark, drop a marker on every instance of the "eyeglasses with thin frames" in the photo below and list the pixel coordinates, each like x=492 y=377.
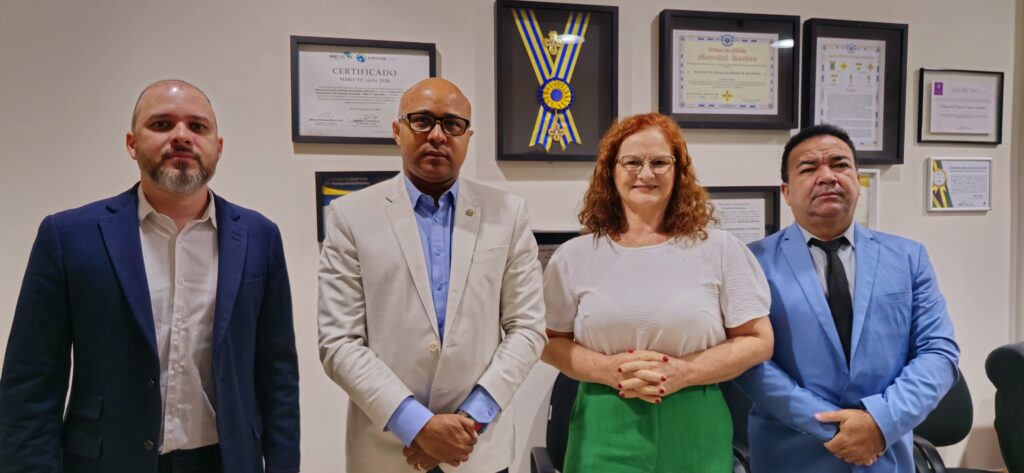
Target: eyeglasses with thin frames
x=425 y=122
x=658 y=164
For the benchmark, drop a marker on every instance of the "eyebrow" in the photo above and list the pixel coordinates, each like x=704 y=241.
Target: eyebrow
x=191 y=118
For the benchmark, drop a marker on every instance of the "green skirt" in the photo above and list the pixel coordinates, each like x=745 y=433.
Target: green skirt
x=689 y=432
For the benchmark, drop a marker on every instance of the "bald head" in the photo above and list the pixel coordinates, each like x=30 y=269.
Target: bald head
x=164 y=86
x=438 y=90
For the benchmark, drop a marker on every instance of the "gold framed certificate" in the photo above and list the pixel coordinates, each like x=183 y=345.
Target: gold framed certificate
x=729 y=70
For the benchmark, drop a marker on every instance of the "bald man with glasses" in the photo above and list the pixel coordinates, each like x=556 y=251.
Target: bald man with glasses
x=431 y=310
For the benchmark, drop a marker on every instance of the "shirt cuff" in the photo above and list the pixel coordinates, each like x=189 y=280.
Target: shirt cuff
x=407 y=421
x=481 y=406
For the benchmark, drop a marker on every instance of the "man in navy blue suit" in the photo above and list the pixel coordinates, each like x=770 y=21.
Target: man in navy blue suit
x=864 y=346
x=174 y=305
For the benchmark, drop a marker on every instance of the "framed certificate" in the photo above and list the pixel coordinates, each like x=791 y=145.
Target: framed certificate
x=956 y=106
x=331 y=185
x=556 y=70
x=866 y=213
x=347 y=90
x=959 y=184
x=749 y=213
x=729 y=70
x=855 y=76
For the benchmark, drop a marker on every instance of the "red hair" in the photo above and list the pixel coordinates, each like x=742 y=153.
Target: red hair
x=688 y=212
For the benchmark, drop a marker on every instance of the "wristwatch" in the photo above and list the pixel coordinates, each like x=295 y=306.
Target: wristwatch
x=476 y=425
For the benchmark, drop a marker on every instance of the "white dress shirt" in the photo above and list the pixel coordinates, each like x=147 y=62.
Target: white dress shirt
x=181 y=269
x=820 y=259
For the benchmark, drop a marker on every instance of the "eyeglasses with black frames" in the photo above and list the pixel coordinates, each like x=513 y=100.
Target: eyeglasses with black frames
x=425 y=122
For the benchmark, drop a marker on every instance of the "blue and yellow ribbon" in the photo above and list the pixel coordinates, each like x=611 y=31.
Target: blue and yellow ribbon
x=554 y=74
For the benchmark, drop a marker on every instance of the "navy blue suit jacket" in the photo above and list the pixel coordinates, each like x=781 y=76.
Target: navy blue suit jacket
x=904 y=357
x=85 y=297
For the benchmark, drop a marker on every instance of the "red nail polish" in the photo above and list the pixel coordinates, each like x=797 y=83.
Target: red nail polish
x=622 y=394
x=665 y=358
x=629 y=351
x=657 y=401
x=662 y=390
x=619 y=385
x=620 y=370
x=664 y=378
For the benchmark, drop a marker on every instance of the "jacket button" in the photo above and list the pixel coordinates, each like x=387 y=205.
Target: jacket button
x=151 y=383
x=148 y=444
x=432 y=346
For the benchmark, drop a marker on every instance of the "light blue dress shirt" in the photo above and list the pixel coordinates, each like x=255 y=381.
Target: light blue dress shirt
x=436 y=221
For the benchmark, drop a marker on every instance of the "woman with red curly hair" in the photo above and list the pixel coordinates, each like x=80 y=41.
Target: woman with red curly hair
x=650 y=309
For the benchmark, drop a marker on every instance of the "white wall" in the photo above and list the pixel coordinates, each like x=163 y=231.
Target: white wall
x=70 y=72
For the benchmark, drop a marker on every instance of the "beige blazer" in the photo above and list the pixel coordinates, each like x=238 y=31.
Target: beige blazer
x=378 y=331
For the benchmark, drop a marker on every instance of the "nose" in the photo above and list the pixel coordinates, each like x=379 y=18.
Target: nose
x=645 y=170
x=182 y=134
x=436 y=134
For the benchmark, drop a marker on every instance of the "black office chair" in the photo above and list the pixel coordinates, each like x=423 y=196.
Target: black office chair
x=551 y=459
x=948 y=424
x=1005 y=368
x=739 y=408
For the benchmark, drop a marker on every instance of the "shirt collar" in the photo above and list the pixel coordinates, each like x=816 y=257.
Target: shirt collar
x=415 y=193
x=145 y=208
x=848 y=234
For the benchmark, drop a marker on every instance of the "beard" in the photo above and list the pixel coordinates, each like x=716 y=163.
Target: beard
x=179 y=178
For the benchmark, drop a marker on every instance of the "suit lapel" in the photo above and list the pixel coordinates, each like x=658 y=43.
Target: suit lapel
x=866 y=252
x=467 y=224
x=124 y=246
x=232 y=238
x=795 y=250
x=403 y=222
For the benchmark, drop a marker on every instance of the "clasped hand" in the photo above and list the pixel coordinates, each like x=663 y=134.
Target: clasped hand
x=647 y=375
x=447 y=438
x=859 y=440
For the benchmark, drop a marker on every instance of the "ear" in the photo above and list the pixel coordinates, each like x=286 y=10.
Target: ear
x=395 y=129
x=129 y=143
x=785 y=191
x=220 y=146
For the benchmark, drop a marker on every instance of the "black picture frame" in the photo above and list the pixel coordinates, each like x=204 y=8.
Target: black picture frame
x=345 y=181
x=548 y=241
x=787 y=27
x=343 y=44
x=593 y=82
x=771 y=195
x=927 y=77
x=894 y=89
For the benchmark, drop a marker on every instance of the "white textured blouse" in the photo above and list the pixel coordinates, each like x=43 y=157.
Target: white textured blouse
x=675 y=298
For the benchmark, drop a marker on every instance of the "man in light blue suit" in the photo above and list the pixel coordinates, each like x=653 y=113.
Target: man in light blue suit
x=864 y=347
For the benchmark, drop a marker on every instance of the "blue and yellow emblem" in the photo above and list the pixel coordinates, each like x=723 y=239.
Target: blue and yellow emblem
x=553 y=63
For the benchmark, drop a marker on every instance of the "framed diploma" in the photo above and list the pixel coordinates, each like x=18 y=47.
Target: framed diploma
x=548 y=242
x=729 y=70
x=855 y=76
x=749 y=213
x=347 y=90
x=556 y=68
x=959 y=184
x=955 y=106
x=866 y=213
x=331 y=185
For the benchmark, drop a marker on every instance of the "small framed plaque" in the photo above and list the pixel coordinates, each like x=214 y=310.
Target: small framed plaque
x=956 y=106
x=331 y=185
x=959 y=184
x=347 y=90
x=749 y=213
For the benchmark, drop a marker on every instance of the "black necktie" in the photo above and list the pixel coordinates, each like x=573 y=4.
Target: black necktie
x=838 y=290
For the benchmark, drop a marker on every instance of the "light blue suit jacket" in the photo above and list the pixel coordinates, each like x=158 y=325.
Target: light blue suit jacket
x=904 y=357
